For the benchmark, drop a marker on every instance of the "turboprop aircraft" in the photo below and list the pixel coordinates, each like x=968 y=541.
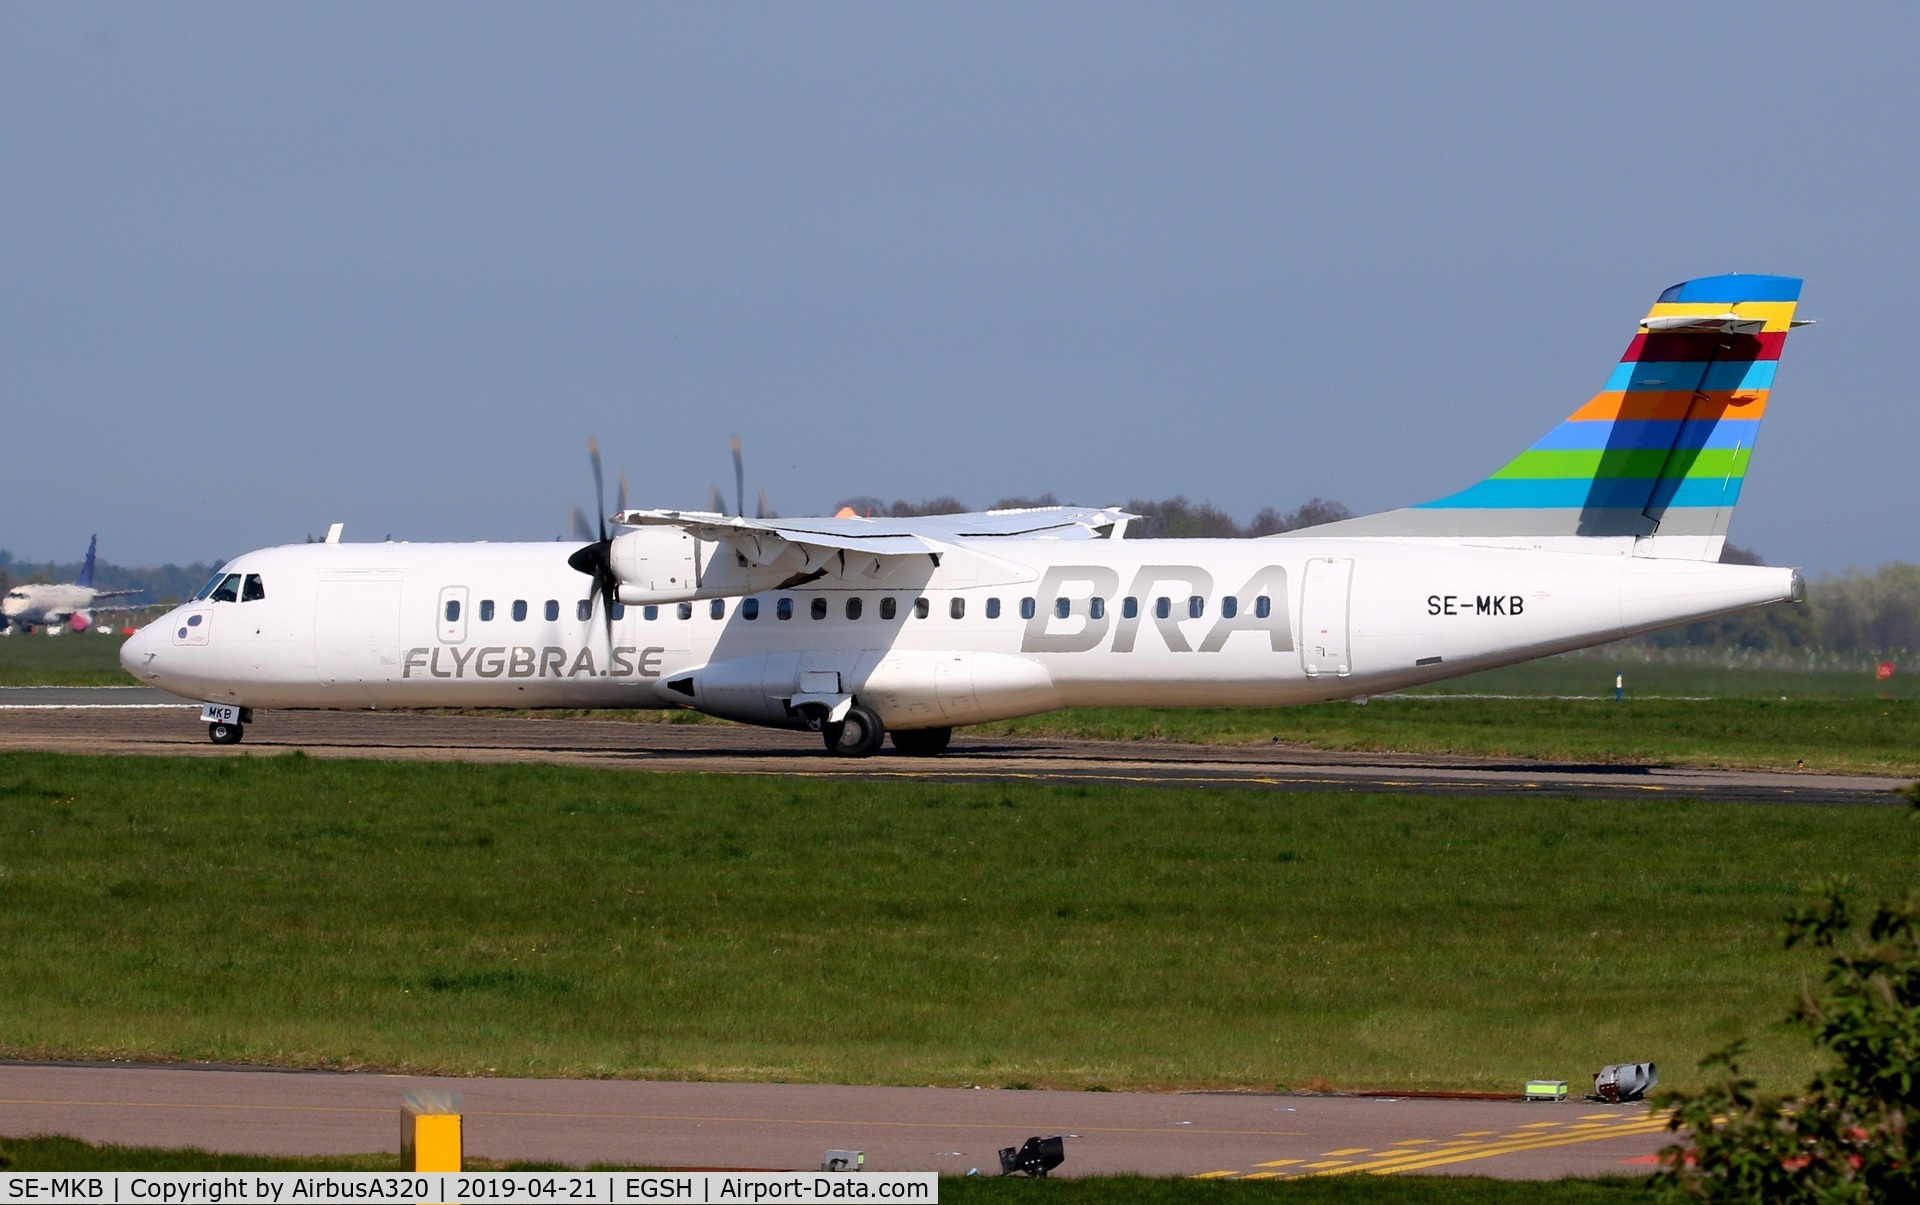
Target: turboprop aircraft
x=38 y=604
x=855 y=627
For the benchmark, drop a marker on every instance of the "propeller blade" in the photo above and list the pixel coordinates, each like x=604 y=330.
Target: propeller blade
x=739 y=480
x=579 y=526
x=620 y=498
x=599 y=484
x=715 y=502
x=762 y=512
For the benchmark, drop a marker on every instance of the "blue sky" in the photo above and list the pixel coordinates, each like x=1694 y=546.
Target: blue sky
x=270 y=266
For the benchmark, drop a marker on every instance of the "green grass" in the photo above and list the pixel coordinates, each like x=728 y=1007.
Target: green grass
x=535 y=920
x=1877 y=736
x=54 y=1154
x=70 y=659
x=1591 y=674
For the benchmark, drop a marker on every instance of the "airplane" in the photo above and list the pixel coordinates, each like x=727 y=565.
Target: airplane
x=860 y=628
x=72 y=604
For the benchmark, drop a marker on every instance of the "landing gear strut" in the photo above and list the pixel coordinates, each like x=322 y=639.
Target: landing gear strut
x=922 y=742
x=858 y=735
x=226 y=734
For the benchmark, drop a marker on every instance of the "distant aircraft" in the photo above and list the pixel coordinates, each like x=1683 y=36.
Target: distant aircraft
x=856 y=627
x=70 y=604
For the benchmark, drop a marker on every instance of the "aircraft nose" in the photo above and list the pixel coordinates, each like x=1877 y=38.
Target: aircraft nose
x=137 y=653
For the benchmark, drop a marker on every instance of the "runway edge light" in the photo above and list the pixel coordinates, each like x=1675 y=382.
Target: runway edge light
x=430 y=1131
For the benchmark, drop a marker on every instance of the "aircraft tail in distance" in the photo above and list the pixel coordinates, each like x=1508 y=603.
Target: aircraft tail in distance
x=86 y=570
x=1653 y=464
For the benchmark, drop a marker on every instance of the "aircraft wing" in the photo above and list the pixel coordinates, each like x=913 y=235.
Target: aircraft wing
x=887 y=536
x=116 y=594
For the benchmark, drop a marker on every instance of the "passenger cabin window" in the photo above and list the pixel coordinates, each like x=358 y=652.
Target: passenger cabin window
x=957 y=608
x=783 y=609
x=1026 y=608
x=921 y=607
x=1196 y=607
x=1130 y=608
x=1263 y=606
x=583 y=610
x=717 y=609
x=650 y=612
x=750 y=609
x=1162 y=607
x=818 y=608
x=453 y=610
x=1229 y=607
x=684 y=610
x=255 y=590
x=888 y=609
x=553 y=610
x=619 y=610
x=993 y=608
x=519 y=610
x=486 y=610
x=1063 y=607
x=1097 y=607
x=228 y=590
x=853 y=608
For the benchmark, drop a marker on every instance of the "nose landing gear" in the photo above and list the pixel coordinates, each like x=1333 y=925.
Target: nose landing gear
x=226 y=734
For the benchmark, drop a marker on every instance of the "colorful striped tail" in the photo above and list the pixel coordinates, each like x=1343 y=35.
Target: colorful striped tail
x=1654 y=463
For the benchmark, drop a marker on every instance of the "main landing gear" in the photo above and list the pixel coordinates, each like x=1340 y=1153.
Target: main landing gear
x=226 y=734
x=860 y=734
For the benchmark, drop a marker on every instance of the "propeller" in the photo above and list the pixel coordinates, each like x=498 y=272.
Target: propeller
x=596 y=559
x=739 y=481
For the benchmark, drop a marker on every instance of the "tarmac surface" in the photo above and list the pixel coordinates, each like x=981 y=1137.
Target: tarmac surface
x=138 y=720
x=781 y=1127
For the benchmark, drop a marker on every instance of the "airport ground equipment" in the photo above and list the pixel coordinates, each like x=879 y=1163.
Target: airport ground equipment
x=430 y=1131
x=1547 y=1089
x=1035 y=1157
x=844 y=1161
x=1619 y=1083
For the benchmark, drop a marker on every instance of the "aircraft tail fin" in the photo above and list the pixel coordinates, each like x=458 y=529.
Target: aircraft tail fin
x=1654 y=463
x=86 y=570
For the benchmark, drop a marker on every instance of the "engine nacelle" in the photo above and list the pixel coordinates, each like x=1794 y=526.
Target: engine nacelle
x=79 y=621
x=667 y=565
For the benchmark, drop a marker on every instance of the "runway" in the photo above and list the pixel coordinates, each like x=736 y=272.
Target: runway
x=139 y=721
x=784 y=1127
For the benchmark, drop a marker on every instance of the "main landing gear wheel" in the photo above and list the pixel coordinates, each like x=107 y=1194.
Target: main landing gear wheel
x=859 y=735
x=226 y=734
x=922 y=742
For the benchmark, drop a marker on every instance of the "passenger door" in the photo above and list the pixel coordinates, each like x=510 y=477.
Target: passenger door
x=1324 y=599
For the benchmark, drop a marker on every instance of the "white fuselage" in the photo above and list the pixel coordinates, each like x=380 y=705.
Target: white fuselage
x=370 y=625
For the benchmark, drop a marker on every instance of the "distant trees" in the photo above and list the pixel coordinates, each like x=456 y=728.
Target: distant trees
x=1857 y=611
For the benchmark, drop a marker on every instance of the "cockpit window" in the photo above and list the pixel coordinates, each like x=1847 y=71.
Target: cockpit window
x=254 y=590
x=228 y=590
x=213 y=583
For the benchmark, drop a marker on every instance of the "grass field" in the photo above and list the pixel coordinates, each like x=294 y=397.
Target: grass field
x=68 y=1155
x=1879 y=736
x=70 y=659
x=536 y=920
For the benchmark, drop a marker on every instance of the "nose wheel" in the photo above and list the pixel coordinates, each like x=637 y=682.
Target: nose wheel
x=226 y=734
x=860 y=734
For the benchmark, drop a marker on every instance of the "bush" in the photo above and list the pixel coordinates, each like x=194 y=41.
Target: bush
x=1850 y=1135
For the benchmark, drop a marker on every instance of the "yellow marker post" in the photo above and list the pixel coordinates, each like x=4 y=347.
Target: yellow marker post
x=430 y=1132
